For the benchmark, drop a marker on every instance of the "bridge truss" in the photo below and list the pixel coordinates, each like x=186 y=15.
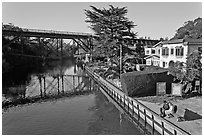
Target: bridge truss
x=52 y=40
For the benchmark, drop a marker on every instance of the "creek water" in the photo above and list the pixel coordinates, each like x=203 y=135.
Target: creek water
x=83 y=114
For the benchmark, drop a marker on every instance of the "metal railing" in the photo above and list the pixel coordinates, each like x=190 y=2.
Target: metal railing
x=139 y=113
x=47 y=31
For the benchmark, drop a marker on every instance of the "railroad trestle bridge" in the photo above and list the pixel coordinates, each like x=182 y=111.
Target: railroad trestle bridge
x=53 y=40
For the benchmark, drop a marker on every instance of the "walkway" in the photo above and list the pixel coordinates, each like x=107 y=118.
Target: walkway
x=140 y=113
x=190 y=108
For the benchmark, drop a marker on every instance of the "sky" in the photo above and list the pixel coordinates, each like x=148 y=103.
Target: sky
x=153 y=19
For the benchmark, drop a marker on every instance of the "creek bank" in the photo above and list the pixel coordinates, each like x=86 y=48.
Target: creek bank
x=20 y=101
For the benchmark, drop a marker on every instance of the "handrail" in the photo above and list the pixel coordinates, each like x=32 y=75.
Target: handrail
x=48 y=31
x=155 y=115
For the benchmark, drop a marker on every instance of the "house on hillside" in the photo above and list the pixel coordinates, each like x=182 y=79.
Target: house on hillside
x=177 y=50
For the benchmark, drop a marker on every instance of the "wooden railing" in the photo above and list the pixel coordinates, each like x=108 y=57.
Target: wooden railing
x=138 y=112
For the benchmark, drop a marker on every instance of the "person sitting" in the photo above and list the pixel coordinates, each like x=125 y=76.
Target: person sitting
x=172 y=110
x=163 y=108
x=168 y=109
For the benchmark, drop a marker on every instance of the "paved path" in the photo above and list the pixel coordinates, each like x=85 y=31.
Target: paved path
x=190 y=108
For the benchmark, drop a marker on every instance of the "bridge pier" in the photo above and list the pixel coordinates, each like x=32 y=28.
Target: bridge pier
x=62 y=84
x=40 y=82
x=58 y=85
x=61 y=44
x=21 y=45
x=57 y=47
x=44 y=86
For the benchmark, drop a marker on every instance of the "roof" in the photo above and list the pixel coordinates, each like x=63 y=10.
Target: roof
x=159 y=43
x=151 y=56
x=173 y=41
x=148 y=46
x=188 y=40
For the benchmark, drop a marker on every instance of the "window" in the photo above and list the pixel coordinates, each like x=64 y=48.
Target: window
x=179 y=51
x=172 y=51
x=148 y=62
x=164 y=64
x=165 y=51
x=158 y=51
x=153 y=51
x=147 y=51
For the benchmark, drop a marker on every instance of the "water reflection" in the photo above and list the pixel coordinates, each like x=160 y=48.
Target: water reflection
x=84 y=114
x=25 y=81
x=88 y=114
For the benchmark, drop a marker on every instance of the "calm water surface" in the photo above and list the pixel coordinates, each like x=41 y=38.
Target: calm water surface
x=88 y=114
x=84 y=114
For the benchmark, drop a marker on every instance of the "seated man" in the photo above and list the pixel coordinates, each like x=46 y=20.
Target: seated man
x=168 y=109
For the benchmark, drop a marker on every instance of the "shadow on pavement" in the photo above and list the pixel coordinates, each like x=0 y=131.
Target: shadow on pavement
x=190 y=115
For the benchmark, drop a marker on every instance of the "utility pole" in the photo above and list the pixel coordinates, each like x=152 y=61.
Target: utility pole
x=121 y=66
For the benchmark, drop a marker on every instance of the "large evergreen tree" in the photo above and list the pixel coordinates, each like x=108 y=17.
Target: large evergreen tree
x=113 y=28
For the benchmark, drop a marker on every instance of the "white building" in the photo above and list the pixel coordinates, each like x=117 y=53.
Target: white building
x=152 y=60
x=166 y=53
x=152 y=54
x=177 y=50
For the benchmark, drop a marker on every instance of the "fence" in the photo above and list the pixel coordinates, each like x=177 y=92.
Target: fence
x=138 y=112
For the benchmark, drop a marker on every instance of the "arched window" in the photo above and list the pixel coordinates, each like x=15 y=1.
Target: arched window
x=165 y=51
x=179 y=51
